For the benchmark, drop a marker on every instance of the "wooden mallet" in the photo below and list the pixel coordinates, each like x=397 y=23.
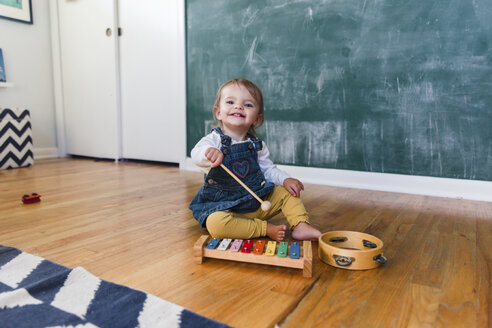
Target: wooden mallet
x=265 y=205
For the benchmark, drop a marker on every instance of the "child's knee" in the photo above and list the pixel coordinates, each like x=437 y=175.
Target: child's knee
x=279 y=192
x=216 y=223
x=283 y=195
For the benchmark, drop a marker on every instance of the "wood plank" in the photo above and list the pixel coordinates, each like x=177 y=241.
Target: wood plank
x=420 y=306
x=484 y=260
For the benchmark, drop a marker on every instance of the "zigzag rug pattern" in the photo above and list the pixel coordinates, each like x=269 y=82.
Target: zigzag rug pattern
x=35 y=292
x=15 y=138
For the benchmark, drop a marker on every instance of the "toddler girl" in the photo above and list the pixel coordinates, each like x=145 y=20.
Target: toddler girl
x=222 y=205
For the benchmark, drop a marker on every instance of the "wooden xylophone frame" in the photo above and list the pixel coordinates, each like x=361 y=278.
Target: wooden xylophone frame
x=305 y=262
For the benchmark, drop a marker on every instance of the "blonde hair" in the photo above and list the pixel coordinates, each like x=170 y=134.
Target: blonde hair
x=255 y=92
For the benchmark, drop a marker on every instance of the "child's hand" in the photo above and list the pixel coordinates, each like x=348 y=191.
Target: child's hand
x=215 y=156
x=294 y=186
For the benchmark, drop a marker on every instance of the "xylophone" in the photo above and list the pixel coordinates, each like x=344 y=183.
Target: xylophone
x=260 y=251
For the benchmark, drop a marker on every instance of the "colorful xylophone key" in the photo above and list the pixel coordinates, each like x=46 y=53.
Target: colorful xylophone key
x=224 y=244
x=258 y=250
x=213 y=243
x=271 y=246
x=236 y=245
x=282 y=249
x=295 y=250
x=248 y=244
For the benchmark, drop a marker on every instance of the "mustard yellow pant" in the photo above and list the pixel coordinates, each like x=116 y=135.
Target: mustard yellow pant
x=223 y=224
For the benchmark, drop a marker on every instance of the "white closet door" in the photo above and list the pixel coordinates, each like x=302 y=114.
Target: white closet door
x=152 y=80
x=88 y=56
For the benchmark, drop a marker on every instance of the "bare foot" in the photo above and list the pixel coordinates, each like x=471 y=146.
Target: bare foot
x=304 y=231
x=276 y=232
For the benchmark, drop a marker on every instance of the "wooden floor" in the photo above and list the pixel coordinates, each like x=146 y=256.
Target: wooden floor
x=129 y=223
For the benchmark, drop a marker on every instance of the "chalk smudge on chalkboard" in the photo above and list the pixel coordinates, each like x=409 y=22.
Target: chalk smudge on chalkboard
x=251 y=53
x=249 y=16
x=309 y=17
x=407 y=142
x=289 y=141
x=310 y=141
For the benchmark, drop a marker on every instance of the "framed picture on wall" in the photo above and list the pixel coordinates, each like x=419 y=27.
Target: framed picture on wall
x=3 y=78
x=18 y=10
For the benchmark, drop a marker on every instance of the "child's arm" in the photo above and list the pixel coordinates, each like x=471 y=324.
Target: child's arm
x=201 y=152
x=271 y=171
x=215 y=156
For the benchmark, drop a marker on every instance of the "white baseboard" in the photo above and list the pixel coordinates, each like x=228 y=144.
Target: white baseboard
x=40 y=153
x=410 y=184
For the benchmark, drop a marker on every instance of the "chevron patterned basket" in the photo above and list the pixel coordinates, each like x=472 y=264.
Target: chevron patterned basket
x=15 y=138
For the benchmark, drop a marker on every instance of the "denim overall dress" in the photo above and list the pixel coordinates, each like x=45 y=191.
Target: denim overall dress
x=220 y=192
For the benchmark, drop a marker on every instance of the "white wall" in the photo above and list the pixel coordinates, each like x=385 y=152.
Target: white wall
x=28 y=65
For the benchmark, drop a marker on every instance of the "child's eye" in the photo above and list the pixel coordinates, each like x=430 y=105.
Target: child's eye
x=230 y=102
x=249 y=105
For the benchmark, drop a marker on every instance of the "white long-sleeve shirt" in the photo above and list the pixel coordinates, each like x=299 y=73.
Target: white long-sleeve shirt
x=271 y=172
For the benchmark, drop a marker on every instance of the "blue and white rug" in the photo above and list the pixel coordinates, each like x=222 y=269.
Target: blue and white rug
x=35 y=292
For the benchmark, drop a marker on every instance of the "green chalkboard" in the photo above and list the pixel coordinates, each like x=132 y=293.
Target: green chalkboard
x=380 y=86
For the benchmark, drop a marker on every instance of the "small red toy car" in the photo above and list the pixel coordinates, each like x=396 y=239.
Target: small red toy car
x=33 y=198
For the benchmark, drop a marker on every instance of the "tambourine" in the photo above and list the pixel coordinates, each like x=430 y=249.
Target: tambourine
x=351 y=250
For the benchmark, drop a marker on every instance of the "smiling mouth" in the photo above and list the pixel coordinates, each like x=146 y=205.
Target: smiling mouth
x=237 y=115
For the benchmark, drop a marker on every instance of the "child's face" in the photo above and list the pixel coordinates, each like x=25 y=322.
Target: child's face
x=238 y=110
